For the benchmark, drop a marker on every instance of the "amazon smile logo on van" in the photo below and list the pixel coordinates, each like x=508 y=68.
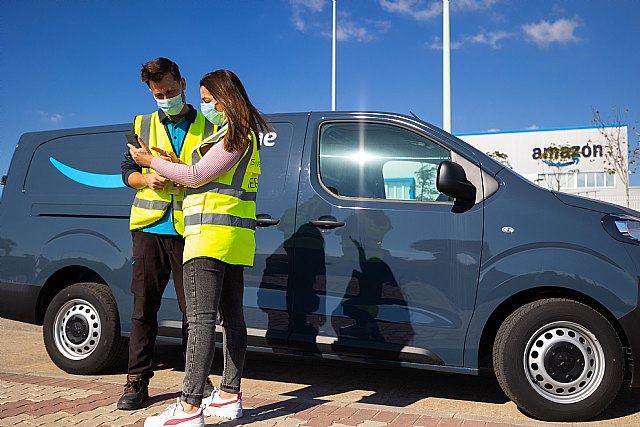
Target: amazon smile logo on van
x=90 y=179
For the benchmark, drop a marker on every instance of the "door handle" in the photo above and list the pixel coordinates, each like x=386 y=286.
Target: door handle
x=265 y=220
x=326 y=222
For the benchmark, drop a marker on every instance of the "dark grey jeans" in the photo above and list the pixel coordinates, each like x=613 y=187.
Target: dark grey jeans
x=211 y=285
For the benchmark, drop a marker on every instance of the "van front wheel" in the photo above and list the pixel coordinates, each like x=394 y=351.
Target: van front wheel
x=558 y=360
x=82 y=329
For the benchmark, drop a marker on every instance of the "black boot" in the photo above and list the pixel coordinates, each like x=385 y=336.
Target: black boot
x=136 y=392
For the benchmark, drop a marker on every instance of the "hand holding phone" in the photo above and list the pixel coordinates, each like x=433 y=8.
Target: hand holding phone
x=132 y=139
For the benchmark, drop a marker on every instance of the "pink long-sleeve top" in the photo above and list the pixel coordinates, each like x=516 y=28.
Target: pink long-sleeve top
x=214 y=163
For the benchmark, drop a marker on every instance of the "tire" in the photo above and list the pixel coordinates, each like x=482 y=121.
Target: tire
x=558 y=360
x=82 y=329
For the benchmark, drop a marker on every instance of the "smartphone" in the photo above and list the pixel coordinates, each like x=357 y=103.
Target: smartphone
x=132 y=139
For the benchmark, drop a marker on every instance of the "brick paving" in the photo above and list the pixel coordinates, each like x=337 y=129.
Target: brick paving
x=38 y=400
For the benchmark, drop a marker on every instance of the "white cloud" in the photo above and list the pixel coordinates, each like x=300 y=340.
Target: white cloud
x=558 y=10
x=351 y=31
x=315 y=5
x=473 y=4
x=415 y=8
x=298 y=22
x=349 y=28
x=363 y=31
x=532 y=127
x=420 y=10
x=54 y=118
x=493 y=130
x=544 y=32
x=300 y=7
x=436 y=44
x=491 y=39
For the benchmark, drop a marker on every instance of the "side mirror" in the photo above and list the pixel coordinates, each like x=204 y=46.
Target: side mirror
x=453 y=182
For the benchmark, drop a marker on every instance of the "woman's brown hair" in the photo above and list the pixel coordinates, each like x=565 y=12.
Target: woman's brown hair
x=241 y=115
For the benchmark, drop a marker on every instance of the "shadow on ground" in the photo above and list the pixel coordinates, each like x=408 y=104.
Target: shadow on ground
x=396 y=387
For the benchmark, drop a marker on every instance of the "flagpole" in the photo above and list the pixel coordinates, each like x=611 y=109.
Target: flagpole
x=446 y=68
x=333 y=60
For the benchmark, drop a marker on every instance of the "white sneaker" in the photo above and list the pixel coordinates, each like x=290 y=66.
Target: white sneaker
x=175 y=416
x=219 y=407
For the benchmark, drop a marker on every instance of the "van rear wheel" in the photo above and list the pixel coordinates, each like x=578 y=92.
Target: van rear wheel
x=82 y=329
x=558 y=360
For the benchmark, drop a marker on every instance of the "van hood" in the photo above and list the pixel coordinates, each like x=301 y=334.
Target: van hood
x=594 y=205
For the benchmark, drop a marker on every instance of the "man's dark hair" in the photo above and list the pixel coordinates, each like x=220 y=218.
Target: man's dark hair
x=156 y=69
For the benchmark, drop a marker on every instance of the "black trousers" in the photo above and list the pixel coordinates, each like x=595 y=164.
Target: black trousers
x=155 y=257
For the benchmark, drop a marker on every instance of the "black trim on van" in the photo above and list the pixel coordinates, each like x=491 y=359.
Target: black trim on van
x=18 y=301
x=629 y=323
x=83 y=211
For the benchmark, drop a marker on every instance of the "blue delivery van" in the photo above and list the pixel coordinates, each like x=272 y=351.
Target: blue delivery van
x=380 y=238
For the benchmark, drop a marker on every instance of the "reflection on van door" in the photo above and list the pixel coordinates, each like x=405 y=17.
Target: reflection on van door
x=266 y=283
x=385 y=266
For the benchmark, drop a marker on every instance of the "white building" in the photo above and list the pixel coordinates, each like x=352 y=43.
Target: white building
x=584 y=174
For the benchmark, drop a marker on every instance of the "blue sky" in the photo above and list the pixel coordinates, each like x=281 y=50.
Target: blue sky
x=515 y=64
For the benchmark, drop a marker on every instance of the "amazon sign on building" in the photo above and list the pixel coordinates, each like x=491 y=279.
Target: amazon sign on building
x=583 y=173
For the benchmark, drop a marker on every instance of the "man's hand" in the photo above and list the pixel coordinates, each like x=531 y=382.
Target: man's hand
x=141 y=155
x=154 y=180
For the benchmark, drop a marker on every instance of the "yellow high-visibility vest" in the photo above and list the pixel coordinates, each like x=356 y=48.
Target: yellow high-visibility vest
x=220 y=217
x=150 y=205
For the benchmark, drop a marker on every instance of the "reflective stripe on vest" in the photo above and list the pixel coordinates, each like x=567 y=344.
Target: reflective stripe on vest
x=150 y=205
x=145 y=129
x=220 y=217
x=155 y=205
x=217 y=187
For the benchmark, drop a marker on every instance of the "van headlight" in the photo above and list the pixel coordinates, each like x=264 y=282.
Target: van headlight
x=625 y=228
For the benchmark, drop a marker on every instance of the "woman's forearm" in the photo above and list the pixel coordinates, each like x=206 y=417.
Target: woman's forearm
x=216 y=162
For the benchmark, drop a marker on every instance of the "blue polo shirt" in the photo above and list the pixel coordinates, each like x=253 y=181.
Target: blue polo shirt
x=177 y=132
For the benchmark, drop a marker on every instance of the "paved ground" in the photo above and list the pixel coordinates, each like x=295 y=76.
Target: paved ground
x=278 y=391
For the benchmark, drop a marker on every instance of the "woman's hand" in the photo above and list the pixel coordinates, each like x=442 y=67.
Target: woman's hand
x=164 y=154
x=169 y=156
x=141 y=155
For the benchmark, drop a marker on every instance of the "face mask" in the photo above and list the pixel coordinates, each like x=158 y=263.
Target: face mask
x=214 y=116
x=171 y=106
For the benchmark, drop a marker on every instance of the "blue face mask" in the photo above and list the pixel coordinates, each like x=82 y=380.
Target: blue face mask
x=171 y=106
x=209 y=111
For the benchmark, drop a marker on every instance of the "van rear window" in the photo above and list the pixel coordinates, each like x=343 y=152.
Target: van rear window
x=79 y=169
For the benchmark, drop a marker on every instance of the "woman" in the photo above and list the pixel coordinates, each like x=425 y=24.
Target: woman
x=219 y=213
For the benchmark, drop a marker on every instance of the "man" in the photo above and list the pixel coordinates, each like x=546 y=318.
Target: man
x=156 y=221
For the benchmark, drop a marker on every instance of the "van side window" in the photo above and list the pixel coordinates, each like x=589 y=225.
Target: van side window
x=379 y=161
x=79 y=169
